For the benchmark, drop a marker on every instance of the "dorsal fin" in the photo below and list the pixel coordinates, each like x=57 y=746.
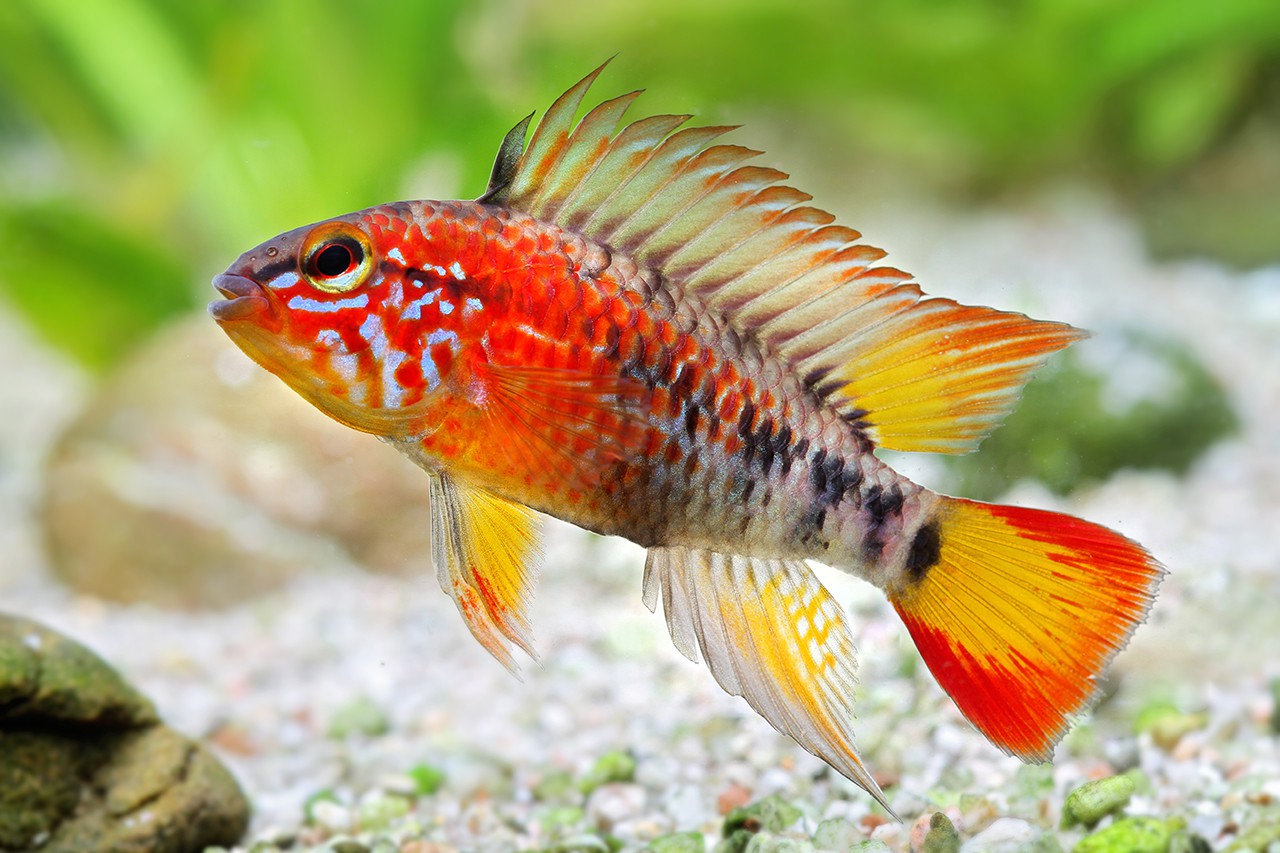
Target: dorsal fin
x=913 y=373
x=504 y=165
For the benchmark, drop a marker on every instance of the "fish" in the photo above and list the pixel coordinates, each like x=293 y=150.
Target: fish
x=637 y=330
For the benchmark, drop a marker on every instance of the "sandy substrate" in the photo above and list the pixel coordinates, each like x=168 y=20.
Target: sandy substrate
x=265 y=682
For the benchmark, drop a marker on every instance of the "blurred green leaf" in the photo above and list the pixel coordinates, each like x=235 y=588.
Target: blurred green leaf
x=88 y=286
x=192 y=131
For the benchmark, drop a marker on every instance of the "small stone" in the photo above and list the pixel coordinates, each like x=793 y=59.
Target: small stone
x=422 y=846
x=1274 y=689
x=678 y=842
x=427 y=779
x=331 y=815
x=360 y=716
x=610 y=767
x=1185 y=841
x=613 y=803
x=378 y=810
x=1011 y=835
x=561 y=816
x=942 y=836
x=735 y=842
x=767 y=842
x=348 y=845
x=1131 y=835
x=324 y=795
x=870 y=846
x=1167 y=723
x=772 y=814
x=835 y=834
x=580 y=844
x=1093 y=801
x=733 y=797
x=1263 y=834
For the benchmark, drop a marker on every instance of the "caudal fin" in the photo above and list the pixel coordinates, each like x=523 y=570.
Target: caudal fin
x=1017 y=611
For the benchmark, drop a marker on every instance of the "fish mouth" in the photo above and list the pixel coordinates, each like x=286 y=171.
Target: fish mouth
x=245 y=298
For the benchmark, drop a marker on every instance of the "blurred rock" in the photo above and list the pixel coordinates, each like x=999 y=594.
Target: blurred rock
x=1134 y=399
x=194 y=478
x=87 y=764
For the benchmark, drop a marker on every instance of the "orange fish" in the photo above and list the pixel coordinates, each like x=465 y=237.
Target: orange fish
x=633 y=331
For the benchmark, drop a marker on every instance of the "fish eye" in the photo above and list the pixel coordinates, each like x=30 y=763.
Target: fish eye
x=336 y=257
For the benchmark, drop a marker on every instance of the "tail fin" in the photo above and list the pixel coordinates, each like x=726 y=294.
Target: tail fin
x=1016 y=611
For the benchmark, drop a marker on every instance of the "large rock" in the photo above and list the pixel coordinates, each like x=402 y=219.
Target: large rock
x=195 y=478
x=88 y=766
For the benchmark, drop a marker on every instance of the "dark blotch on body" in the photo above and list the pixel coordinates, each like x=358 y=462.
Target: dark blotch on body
x=881 y=503
x=691 y=421
x=832 y=479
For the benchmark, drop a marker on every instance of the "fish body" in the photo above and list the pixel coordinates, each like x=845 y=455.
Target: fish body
x=636 y=333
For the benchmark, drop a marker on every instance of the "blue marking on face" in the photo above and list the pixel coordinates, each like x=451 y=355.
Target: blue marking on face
x=413 y=311
x=328 y=338
x=392 y=390
x=441 y=335
x=430 y=374
x=304 y=303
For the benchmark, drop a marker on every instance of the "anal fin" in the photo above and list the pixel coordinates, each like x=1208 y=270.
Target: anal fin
x=771 y=633
x=486 y=555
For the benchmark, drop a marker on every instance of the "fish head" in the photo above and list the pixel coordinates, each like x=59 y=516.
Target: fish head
x=312 y=306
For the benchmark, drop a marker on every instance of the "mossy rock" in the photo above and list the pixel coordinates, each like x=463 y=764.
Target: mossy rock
x=88 y=765
x=1149 y=404
x=46 y=676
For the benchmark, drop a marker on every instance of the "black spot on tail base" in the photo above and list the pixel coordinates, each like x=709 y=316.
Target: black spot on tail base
x=925 y=551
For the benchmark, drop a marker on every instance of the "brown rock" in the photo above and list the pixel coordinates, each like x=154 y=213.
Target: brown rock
x=195 y=478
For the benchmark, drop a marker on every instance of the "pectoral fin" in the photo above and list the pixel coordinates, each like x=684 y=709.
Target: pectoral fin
x=771 y=634
x=567 y=422
x=486 y=554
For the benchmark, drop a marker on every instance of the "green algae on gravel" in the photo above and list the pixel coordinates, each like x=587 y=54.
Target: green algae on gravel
x=942 y=836
x=1144 y=835
x=1093 y=801
x=611 y=767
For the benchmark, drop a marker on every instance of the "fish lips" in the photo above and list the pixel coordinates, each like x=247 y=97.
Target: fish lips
x=246 y=299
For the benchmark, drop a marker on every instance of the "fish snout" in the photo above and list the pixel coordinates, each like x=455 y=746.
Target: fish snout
x=245 y=298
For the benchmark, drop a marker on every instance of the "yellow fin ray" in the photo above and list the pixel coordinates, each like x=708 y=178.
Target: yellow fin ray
x=772 y=634
x=486 y=554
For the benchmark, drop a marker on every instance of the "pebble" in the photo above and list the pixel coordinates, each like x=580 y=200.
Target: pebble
x=615 y=802
x=1004 y=835
x=1093 y=801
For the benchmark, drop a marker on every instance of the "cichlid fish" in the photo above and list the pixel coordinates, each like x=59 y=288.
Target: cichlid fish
x=633 y=331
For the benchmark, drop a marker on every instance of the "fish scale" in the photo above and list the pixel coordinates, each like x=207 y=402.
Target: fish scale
x=696 y=372
x=637 y=331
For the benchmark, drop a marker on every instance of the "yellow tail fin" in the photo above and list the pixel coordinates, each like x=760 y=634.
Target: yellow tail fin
x=1017 y=611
